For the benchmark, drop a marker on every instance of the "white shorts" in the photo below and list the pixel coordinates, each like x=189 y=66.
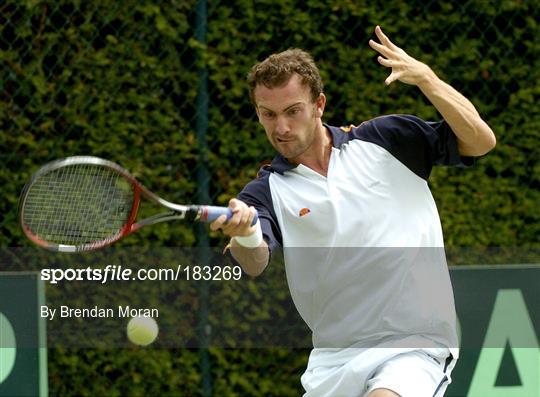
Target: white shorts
x=407 y=372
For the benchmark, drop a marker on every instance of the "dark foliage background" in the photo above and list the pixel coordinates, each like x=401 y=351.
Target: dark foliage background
x=119 y=80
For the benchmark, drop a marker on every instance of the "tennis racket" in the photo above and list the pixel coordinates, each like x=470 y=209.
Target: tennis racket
x=83 y=203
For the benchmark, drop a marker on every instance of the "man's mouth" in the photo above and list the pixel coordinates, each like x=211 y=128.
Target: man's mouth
x=283 y=140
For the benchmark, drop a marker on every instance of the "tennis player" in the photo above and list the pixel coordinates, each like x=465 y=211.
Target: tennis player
x=362 y=239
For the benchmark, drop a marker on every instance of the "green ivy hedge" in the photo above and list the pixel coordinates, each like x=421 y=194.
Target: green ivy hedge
x=119 y=80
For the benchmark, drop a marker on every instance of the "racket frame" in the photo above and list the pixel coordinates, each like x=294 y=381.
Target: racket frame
x=178 y=211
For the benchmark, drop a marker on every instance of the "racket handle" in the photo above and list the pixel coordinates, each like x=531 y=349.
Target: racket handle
x=211 y=213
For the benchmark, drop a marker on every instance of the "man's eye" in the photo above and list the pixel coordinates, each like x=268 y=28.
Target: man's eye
x=292 y=112
x=268 y=115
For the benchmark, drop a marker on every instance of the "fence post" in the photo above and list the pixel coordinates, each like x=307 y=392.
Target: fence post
x=203 y=197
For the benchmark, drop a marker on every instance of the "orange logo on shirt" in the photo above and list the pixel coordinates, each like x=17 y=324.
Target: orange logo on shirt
x=304 y=211
x=348 y=129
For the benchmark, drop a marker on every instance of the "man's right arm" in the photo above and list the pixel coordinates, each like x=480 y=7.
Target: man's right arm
x=247 y=245
x=252 y=260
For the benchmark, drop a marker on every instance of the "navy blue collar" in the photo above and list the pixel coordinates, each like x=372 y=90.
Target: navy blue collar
x=339 y=136
x=280 y=164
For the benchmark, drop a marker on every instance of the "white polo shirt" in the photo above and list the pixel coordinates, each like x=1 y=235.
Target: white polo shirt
x=363 y=246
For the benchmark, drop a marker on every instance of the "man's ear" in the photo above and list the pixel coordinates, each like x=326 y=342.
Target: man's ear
x=320 y=103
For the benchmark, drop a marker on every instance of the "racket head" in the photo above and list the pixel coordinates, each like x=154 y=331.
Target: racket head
x=79 y=203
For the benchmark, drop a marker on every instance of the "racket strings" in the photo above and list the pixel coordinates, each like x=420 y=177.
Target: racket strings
x=78 y=204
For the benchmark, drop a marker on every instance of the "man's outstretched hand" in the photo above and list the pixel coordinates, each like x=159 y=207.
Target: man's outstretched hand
x=404 y=67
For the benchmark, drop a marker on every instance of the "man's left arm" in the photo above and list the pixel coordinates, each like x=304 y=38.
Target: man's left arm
x=474 y=136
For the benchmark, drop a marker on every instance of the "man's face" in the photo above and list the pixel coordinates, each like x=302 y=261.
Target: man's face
x=289 y=116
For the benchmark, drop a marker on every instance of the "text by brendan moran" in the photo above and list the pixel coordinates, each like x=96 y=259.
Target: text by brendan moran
x=97 y=312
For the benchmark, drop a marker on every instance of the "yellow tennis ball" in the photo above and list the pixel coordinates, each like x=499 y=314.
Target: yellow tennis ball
x=142 y=330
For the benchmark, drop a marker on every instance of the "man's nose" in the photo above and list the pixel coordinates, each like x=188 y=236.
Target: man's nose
x=282 y=126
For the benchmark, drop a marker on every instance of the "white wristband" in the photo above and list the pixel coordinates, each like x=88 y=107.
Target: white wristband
x=253 y=240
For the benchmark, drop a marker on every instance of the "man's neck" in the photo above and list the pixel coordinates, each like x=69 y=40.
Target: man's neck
x=318 y=156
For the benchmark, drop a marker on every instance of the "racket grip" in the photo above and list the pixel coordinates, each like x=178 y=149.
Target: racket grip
x=211 y=213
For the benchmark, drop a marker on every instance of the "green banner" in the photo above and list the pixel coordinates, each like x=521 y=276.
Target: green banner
x=23 y=358
x=499 y=313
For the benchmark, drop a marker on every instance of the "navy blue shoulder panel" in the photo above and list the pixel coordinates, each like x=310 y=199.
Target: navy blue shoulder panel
x=416 y=143
x=257 y=194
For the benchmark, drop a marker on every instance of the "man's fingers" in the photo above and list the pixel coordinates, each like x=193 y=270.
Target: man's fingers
x=252 y=212
x=380 y=48
x=404 y=67
x=393 y=77
x=383 y=38
x=386 y=62
x=236 y=218
x=240 y=222
x=218 y=223
x=234 y=204
x=245 y=216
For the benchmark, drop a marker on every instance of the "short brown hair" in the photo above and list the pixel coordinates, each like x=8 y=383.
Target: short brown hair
x=277 y=69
